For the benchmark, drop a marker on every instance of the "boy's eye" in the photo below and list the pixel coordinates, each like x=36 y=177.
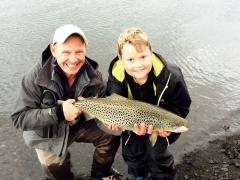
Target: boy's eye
x=130 y=60
x=143 y=57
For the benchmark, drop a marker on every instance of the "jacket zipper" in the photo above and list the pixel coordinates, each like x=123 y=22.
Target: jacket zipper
x=164 y=89
x=64 y=139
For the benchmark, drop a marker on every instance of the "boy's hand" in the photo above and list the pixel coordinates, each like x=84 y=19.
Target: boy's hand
x=142 y=130
x=164 y=133
x=70 y=111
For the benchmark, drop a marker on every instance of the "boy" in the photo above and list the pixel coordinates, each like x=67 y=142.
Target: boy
x=139 y=73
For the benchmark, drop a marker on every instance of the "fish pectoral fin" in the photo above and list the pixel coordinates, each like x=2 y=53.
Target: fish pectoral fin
x=88 y=116
x=105 y=124
x=153 y=138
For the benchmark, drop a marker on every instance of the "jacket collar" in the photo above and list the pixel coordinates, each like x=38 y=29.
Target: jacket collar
x=47 y=73
x=117 y=69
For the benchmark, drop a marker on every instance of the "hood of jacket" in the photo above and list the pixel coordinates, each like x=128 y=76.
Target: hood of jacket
x=116 y=68
x=168 y=77
x=46 y=69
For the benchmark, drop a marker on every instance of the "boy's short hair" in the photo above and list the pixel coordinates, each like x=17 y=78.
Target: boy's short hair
x=134 y=36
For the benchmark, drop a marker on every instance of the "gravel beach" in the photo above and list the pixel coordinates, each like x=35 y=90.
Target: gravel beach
x=218 y=159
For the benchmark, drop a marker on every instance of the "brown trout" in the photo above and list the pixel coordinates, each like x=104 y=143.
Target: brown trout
x=124 y=113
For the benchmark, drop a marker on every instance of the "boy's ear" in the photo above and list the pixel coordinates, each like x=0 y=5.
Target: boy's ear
x=52 y=48
x=119 y=57
x=151 y=50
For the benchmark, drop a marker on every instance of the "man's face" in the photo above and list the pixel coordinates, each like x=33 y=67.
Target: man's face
x=137 y=64
x=70 y=55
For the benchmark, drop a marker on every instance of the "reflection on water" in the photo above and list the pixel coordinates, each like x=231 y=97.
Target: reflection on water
x=202 y=37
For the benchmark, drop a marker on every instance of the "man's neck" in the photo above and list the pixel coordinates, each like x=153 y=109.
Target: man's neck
x=70 y=79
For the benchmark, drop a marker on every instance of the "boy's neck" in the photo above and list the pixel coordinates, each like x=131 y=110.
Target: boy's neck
x=140 y=81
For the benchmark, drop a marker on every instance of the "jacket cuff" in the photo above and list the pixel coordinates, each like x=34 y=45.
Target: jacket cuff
x=173 y=137
x=59 y=112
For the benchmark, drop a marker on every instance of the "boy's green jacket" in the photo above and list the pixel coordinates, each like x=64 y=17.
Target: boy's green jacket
x=169 y=86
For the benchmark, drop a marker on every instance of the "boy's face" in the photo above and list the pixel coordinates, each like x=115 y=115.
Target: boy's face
x=137 y=64
x=70 y=55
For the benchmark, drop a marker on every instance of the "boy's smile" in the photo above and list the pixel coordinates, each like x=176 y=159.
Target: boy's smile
x=137 y=64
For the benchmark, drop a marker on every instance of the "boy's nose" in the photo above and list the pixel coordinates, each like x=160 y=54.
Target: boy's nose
x=137 y=63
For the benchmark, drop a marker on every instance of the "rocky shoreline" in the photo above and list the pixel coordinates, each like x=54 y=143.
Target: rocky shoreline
x=219 y=160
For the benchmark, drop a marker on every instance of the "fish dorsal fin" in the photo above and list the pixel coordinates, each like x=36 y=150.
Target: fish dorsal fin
x=115 y=96
x=80 y=98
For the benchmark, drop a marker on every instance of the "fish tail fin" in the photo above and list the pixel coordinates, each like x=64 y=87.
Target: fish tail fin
x=153 y=138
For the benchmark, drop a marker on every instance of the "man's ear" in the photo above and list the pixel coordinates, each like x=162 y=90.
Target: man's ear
x=52 y=48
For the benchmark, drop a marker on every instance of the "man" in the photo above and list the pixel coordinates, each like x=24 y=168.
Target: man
x=64 y=73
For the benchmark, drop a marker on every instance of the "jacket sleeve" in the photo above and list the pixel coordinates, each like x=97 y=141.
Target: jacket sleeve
x=178 y=96
x=177 y=99
x=27 y=113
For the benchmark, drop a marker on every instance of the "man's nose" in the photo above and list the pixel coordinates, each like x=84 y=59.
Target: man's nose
x=73 y=57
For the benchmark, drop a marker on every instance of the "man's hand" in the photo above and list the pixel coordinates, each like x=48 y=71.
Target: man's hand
x=70 y=111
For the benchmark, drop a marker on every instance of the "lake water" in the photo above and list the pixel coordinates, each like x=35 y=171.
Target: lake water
x=201 y=37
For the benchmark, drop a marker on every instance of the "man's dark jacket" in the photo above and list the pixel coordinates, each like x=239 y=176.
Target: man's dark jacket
x=42 y=128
